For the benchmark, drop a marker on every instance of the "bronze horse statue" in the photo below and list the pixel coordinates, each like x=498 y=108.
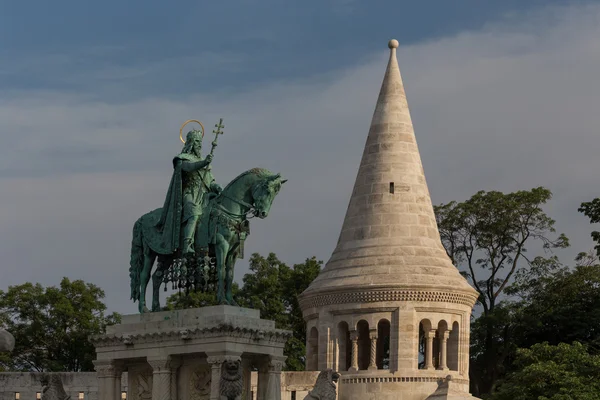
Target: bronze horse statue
x=218 y=241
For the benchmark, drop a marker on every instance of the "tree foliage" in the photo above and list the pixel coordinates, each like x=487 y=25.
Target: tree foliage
x=487 y=238
x=52 y=325
x=591 y=210
x=547 y=372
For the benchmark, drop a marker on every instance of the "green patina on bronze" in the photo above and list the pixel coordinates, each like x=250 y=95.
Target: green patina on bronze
x=199 y=232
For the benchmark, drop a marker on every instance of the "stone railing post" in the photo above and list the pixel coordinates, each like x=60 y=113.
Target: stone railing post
x=109 y=380
x=354 y=339
x=429 y=336
x=162 y=377
x=444 y=350
x=373 y=354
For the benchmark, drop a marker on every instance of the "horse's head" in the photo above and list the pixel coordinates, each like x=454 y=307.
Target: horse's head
x=264 y=192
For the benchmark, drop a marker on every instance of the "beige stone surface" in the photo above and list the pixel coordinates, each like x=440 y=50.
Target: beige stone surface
x=179 y=354
x=390 y=240
x=389 y=282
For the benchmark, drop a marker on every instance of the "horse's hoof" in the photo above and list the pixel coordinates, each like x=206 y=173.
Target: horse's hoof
x=146 y=310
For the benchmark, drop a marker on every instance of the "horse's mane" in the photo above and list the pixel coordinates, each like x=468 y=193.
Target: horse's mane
x=261 y=172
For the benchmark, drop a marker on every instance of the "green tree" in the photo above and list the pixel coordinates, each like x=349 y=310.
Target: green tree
x=263 y=288
x=591 y=210
x=298 y=280
x=487 y=237
x=52 y=325
x=559 y=306
x=273 y=288
x=194 y=299
x=546 y=372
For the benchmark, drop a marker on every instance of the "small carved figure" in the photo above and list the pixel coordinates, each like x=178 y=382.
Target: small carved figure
x=52 y=388
x=325 y=386
x=7 y=341
x=231 y=380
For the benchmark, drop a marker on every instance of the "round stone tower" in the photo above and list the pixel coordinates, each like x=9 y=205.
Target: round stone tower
x=389 y=310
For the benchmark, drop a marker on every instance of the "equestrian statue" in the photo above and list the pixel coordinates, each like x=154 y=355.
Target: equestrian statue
x=199 y=232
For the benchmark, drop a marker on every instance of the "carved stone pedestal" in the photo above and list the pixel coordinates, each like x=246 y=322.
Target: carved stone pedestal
x=195 y=354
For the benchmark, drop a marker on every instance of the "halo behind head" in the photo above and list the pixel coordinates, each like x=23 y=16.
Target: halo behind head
x=187 y=122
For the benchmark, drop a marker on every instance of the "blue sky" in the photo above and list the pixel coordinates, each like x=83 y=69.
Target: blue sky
x=503 y=94
x=184 y=47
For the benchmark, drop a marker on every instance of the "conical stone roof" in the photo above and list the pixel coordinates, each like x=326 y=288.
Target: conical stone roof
x=389 y=239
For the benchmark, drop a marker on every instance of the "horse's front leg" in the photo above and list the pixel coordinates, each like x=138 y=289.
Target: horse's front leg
x=221 y=250
x=157 y=278
x=149 y=257
x=229 y=269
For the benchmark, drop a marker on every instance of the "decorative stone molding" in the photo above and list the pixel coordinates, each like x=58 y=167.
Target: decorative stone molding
x=220 y=359
x=224 y=330
x=394 y=379
x=370 y=296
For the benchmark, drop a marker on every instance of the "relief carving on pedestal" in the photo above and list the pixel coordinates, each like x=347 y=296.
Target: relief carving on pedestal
x=200 y=383
x=144 y=387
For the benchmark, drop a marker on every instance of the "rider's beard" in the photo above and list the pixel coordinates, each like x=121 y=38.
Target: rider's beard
x=197 y=151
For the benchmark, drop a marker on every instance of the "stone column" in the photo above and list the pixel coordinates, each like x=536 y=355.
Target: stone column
x=429 y=336
x=274 y=384
x=216 y=364
x=174 y=366
x=247 y=377
x=109 y=380
x=161 y=378
x=373 y=354
x=354 y=339
x=444 y=350
x=262 y=382
x=269 y=379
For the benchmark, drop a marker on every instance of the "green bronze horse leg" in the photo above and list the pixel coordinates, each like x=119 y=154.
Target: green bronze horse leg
x=231 y=257
x=221 y=250
x=157 y=278
x=149 y=257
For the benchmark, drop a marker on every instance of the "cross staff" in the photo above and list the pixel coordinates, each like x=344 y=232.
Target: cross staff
x=217 y=132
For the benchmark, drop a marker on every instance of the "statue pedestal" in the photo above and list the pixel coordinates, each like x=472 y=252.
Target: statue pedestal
x=190 y=354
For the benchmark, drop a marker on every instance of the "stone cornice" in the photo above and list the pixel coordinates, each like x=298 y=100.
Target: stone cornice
x=223 y=330
x=393 y=379
x=363 y=295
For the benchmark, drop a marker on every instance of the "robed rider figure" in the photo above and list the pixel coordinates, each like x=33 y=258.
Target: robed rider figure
x=187 y=197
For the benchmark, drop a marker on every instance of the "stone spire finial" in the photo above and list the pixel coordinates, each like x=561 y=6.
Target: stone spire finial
x=389 y=238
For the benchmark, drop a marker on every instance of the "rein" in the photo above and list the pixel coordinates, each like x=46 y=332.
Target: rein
x=242 y=203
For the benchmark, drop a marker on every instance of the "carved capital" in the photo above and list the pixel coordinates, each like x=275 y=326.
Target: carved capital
x=373 y=334
x=163 y=365
x=430 y=334
x=446 y=335
x=275 y=365
x=354 y=335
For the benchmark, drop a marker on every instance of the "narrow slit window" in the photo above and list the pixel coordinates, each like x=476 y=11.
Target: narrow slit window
x=38 y=395
x=81 y=396
x=392 y=187
x=17 y=396
x=123 y=395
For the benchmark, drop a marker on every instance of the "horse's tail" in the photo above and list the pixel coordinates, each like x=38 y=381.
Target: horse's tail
x=136 y=263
